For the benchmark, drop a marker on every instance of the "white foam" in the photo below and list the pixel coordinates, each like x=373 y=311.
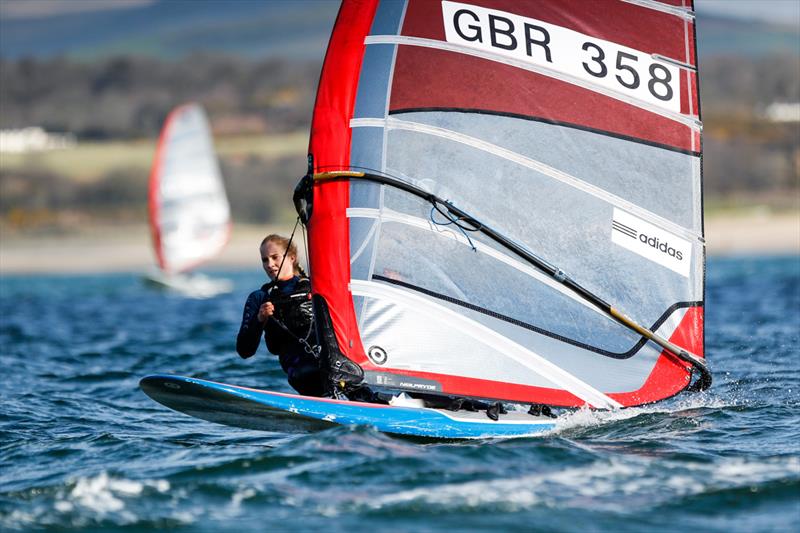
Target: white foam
x=103 y=494
x=97 y=495
x=586 y=418
x=63 y=506
x=740 y=471
x=240 y=495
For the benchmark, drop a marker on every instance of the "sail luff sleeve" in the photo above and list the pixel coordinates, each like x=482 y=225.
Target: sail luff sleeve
x=154 y=183
x=329 y=147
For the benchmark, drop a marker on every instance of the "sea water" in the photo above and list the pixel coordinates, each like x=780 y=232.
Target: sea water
x=81 y=447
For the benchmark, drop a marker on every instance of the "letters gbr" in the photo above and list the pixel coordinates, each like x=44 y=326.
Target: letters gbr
x=617 y=68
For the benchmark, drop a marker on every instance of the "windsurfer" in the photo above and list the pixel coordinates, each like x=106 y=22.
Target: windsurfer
x=282 y=310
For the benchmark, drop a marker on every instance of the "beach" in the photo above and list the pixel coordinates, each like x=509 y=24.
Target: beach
x=129 y=249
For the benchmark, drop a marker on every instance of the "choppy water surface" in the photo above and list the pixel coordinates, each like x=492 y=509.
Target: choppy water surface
x=82 y=447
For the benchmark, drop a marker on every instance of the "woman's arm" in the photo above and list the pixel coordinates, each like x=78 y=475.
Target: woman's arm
x=250 y=331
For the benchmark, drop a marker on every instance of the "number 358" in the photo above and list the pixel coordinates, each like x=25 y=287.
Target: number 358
x=660 y=77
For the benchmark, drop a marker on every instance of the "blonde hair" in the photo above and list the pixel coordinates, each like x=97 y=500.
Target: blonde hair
x=283 y=242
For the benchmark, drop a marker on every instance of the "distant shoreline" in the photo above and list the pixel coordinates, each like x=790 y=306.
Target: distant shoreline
x=753 y=233
x=128 y=249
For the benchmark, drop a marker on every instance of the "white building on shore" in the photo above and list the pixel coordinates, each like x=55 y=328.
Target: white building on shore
x=783 y=112
x=34 y=139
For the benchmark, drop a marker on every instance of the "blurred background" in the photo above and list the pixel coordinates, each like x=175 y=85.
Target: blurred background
x=85 y=87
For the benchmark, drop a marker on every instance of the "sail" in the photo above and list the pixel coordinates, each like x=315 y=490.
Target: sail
x=486 y=172
x=189 y=211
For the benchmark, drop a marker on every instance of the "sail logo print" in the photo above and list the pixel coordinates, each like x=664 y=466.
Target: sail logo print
x=618 y=68
x=377 y=355
x=651 y=242
x=403 y=382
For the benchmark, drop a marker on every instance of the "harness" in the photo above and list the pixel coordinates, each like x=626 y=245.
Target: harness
x=294 y=313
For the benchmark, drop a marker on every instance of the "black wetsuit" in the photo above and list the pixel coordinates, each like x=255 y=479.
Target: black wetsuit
x=283 y=333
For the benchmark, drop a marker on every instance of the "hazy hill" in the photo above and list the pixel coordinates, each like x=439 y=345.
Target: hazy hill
x=738 y=37
x=165 y=29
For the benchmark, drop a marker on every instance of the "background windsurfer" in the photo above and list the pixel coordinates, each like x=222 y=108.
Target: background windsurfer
x=281 y=309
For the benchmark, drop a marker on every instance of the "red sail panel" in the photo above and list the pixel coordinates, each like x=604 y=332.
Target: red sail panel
x=425 y=78
x=670 y=375
x=328 y=234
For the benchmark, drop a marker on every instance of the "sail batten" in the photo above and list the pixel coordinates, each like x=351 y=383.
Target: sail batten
x=682 y=12
x=677 y=63
x=508 y=183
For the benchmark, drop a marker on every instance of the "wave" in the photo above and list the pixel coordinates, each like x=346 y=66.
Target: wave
x=621 y=486
x=85 y=501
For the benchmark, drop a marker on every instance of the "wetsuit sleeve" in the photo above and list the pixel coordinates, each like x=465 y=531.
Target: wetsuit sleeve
x=250 y=331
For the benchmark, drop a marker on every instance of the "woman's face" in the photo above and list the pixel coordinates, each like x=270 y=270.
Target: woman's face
x=271 y=258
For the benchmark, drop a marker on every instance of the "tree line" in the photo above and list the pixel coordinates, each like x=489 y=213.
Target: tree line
x=128 y=97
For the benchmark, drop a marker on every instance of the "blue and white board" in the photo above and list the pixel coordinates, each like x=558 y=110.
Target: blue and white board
x=276 y=411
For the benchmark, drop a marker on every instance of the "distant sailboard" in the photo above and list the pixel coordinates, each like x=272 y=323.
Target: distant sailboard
x=190 y=217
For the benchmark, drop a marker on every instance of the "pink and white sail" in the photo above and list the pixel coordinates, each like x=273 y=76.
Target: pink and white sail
x=189 y=213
